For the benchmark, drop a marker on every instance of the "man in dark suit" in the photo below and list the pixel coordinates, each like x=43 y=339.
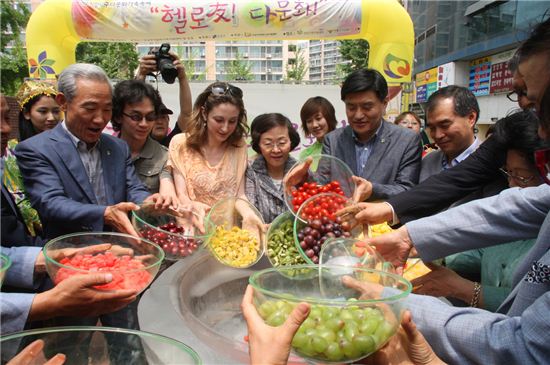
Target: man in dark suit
x=386 y=157
x=77 y=178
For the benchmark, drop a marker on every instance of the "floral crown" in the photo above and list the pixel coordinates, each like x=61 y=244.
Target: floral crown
x=31 y=88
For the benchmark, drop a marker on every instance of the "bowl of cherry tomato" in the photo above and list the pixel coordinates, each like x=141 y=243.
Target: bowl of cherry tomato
x=133 y=262
x=316 y=222
x=314 y=175
x=178 y=233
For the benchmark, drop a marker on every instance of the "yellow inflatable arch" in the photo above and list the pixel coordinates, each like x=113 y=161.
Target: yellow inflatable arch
x=56 y=27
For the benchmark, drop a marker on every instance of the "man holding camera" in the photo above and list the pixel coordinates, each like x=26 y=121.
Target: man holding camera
x=156 y=62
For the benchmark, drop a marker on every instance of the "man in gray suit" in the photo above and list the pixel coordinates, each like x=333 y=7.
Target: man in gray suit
x=386 y=157
x=452 y=113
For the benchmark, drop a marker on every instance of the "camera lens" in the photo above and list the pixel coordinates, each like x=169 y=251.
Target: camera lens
x=168 y=70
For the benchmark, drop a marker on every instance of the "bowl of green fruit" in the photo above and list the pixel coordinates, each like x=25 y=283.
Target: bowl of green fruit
x=354 y=310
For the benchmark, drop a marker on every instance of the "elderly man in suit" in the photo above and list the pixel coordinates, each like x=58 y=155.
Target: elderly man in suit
x=452 y=113
x=77 y=178
x=385 y=157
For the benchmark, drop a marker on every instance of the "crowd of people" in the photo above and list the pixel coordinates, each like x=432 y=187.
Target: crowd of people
x=64 y=175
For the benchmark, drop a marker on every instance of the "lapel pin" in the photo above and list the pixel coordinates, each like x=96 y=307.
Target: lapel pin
x=108 y=152
x=382 y=140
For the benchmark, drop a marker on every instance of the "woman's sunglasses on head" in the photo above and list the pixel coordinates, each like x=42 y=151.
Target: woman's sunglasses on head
x=223 y=89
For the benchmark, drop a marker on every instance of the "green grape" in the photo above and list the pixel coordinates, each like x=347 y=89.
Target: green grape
x=329 y=313
x=350 y=331
x=284 y=306
x=369 y=325
x=309 y=323
x=345 y=314
x=335 y=324
x=319 y=344
x=349 y=350
x=315 y=313
x=276 y=319
x=299 y=340
x=311 y=332
x=327 y=334
x=364 y=343
x=307 y=349
x=384 y=331
x=333 y=352
x=358 y=315
x=266 y=309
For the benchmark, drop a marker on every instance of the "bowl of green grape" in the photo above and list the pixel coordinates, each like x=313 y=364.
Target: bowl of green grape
x=354 y=310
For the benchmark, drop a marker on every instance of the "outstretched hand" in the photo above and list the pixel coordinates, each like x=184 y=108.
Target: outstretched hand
x=395 y=247
x=297 y=175
x=33 y=354
x=407 y=347
x=270 y=345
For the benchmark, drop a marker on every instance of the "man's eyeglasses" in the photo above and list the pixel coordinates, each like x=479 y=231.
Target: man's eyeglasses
x=149 y=118
x=542 y=161
x=223 y=89
x=269 y=146
x=520 y=179
x=515 y=95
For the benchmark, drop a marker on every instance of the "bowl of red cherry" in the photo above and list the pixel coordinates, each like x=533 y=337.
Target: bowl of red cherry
x=179 y=233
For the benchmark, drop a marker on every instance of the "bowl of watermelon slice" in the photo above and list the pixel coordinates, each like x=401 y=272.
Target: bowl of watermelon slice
x=133 y=262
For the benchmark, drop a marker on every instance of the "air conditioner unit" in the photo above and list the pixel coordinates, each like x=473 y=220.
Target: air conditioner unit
x=245 y=55
x=268 y=55
x=268 y=70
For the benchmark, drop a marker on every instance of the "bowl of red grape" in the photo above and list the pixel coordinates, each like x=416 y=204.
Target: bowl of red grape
x=179 y=233
x=316 y=222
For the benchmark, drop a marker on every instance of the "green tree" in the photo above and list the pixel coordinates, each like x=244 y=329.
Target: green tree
x=355 y=51
x=190 y=69
x=13 y=56
x=238 y=69
x=118 y=59
x=296 y=69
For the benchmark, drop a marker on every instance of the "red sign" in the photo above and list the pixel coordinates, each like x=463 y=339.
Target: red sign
x=501 y=78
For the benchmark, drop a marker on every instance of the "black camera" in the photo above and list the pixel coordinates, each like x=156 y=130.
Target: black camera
x=164 y=63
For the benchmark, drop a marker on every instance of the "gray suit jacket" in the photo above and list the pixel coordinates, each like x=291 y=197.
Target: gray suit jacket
x=58 y=186
x=520 y=332
x=432 y=164
x=394 y=164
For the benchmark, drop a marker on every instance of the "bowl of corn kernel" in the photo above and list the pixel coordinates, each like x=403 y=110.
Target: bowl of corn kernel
x=239 y=237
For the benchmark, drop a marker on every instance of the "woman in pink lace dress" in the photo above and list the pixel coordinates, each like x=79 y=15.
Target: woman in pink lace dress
x=208 y=161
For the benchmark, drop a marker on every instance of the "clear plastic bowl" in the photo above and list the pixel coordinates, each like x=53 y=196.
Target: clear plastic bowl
x=342 y=326
x=352 y=252
x=318 y=214
x=5 y=264
x=238 y=239
x=133 y=262
x=281 y=249
x=323 y=170
x=179 y=234
x=100 y=345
